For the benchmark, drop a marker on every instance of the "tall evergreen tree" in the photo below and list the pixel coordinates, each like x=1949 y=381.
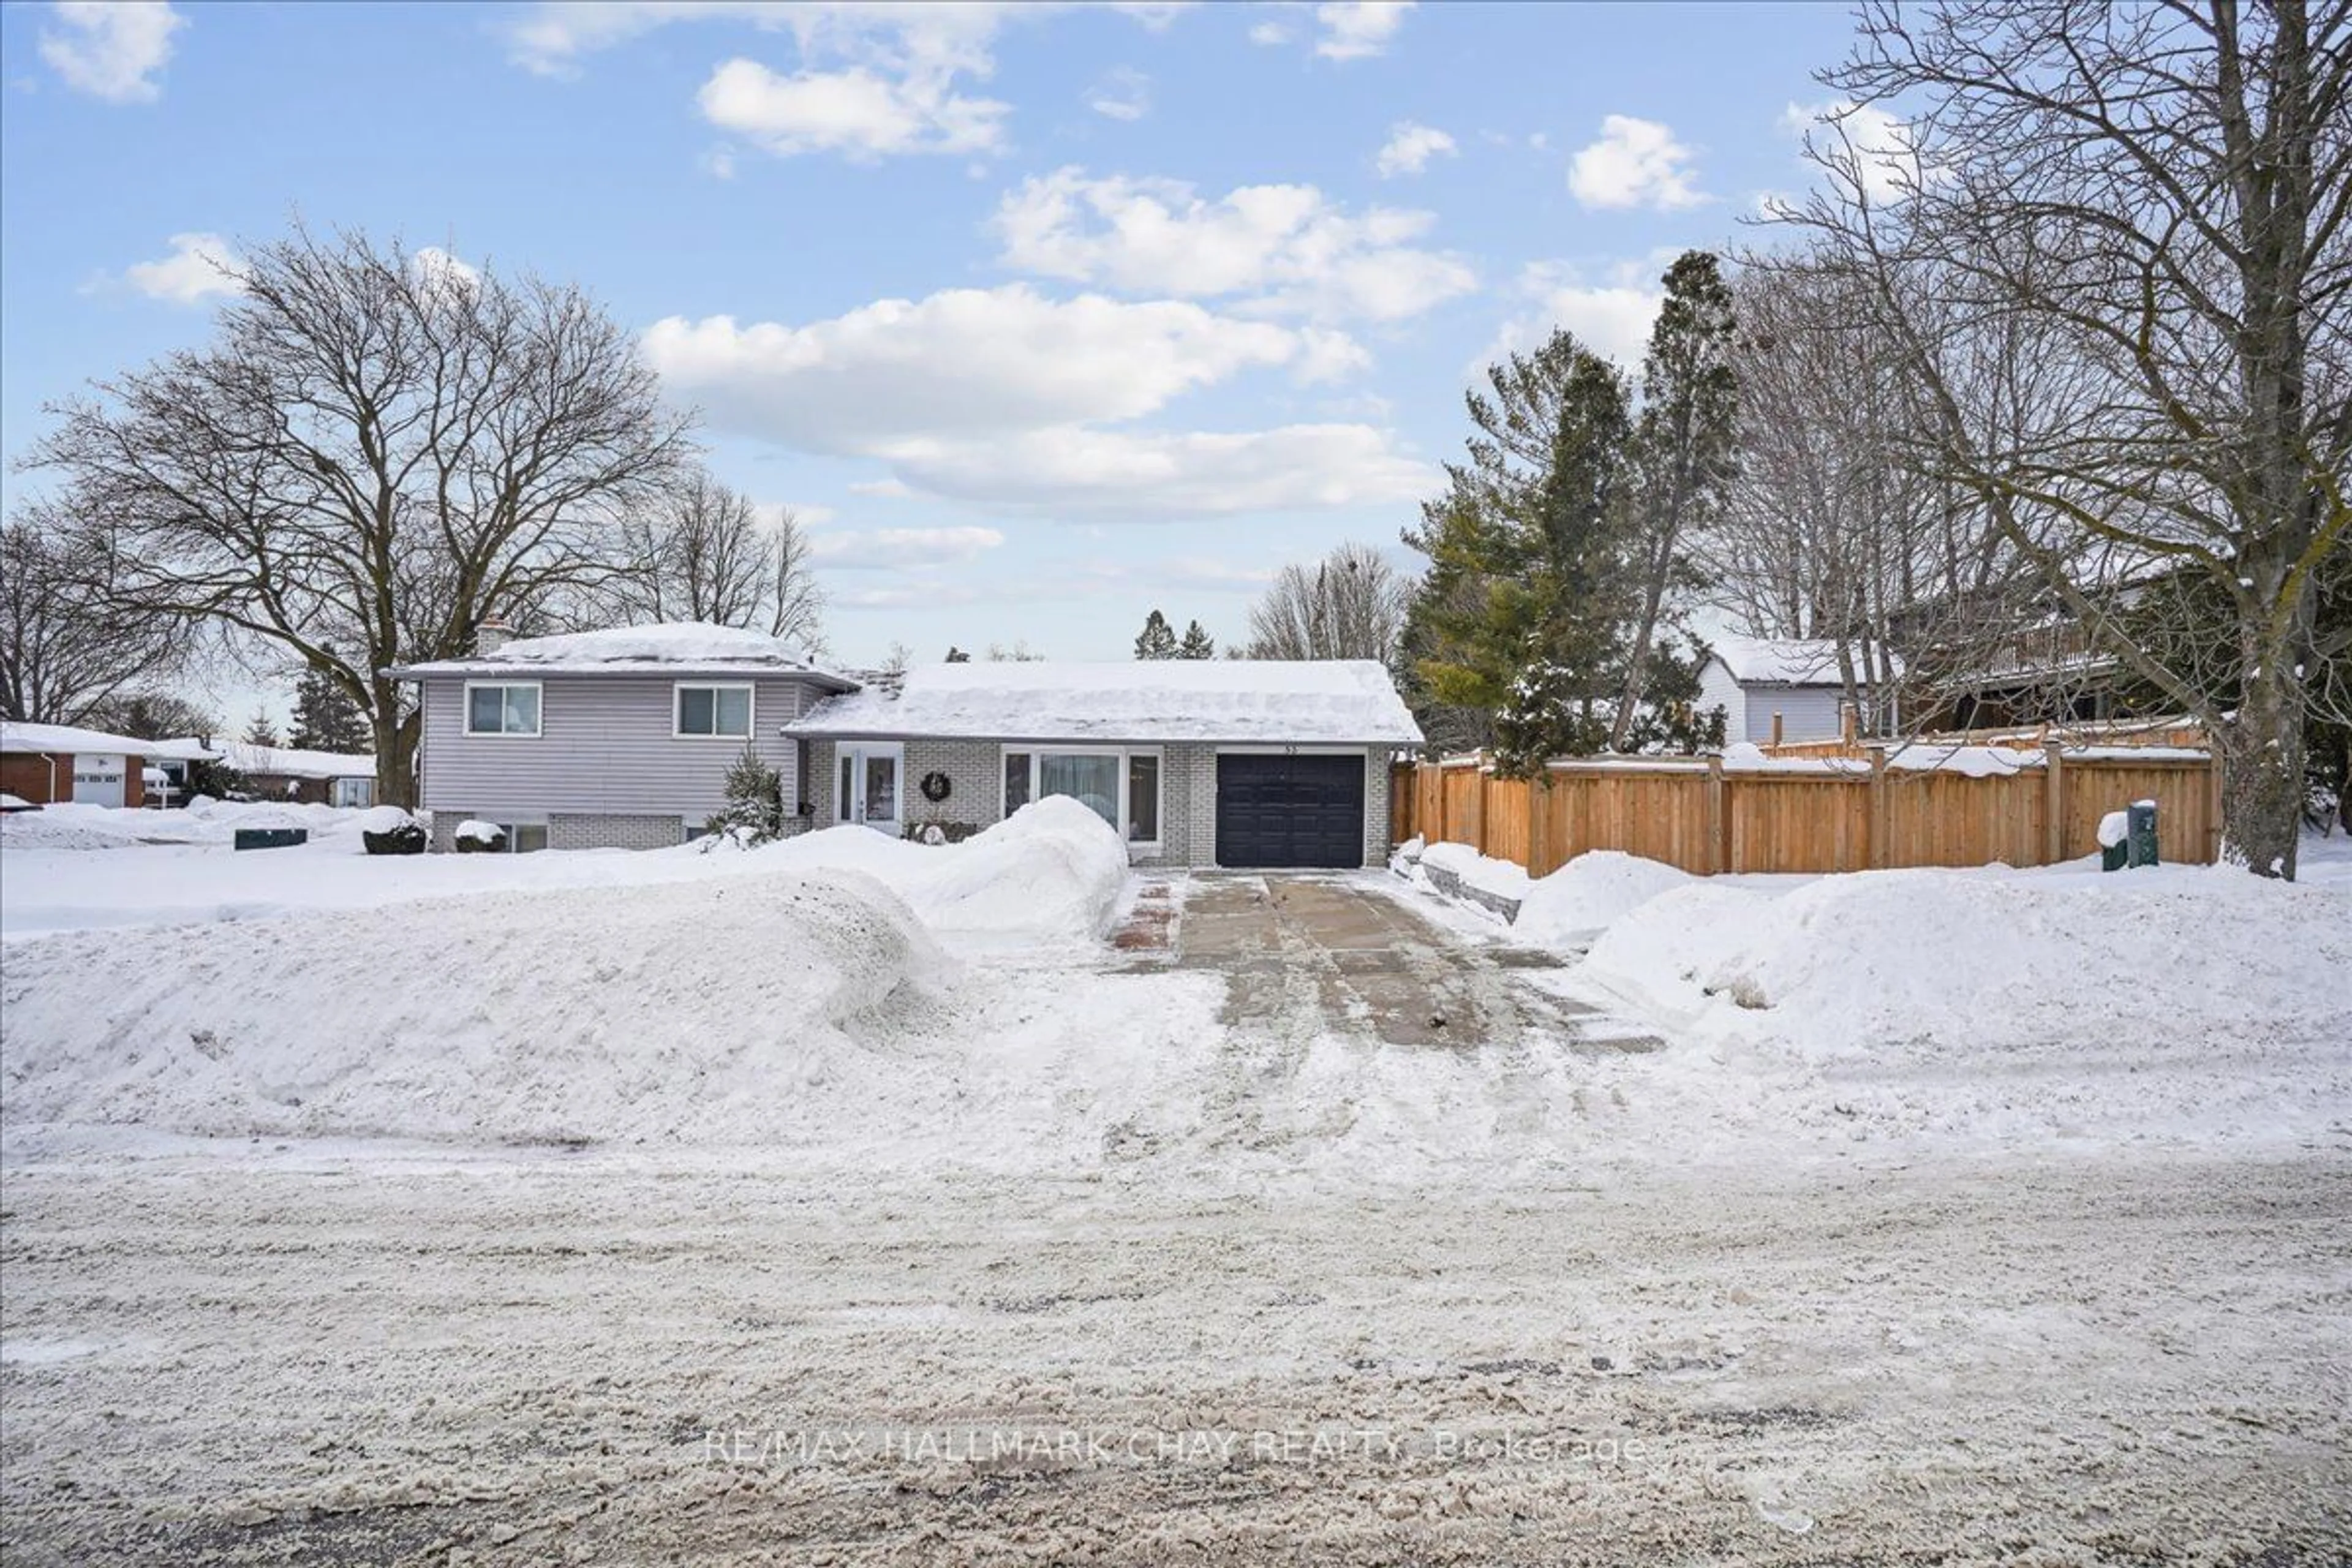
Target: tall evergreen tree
x=1685 y=458
x=1550 y=616
x=260 y=730
x=325 y=717
x=1197 y=644
x=1156 y=640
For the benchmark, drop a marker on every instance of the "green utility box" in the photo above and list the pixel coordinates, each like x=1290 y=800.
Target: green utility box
x=2141 y=839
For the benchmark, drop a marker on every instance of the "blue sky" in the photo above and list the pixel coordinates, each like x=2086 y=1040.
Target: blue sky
x=1040 y=317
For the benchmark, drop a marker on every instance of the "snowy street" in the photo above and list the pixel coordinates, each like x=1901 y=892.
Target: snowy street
x=852 y=1200
x=374 y=1356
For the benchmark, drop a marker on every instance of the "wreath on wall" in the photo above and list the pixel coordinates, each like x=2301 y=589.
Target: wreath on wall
x=937 y=788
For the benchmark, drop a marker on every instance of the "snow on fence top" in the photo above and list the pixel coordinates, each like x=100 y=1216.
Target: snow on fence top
x=1347 y=701
x=673 y=648
x=1781 y=661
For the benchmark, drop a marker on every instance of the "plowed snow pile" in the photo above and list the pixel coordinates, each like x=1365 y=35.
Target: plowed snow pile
x=714 y=1009
x=2181 y=1002
x=1051 y=870
x=1589 y=894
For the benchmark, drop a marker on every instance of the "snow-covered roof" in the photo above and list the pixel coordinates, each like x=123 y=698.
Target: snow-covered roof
x=1780 y=662
x=1269 y=700
x=183 y=749
x=673 y=648
x=285 y=762
x=61 y=739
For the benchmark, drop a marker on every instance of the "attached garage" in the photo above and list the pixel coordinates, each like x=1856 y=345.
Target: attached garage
x=1256 y=765
x=1289 y=812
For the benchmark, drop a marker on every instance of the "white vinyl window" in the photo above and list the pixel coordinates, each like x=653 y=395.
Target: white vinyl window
x=492 y=709
x=718 y=712
x=1119 y=784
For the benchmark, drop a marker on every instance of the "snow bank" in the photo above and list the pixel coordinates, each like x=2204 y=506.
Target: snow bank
x=738 y=1011
x=1053 y=870
x=1589 y=893
x=1980 y=962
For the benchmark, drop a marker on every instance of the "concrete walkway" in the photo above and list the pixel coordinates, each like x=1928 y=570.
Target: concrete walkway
x=1348 y=948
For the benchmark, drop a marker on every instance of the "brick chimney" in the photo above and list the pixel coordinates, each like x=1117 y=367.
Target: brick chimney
x=491 y=635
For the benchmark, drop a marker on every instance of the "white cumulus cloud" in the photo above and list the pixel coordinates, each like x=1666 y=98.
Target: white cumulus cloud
x=1285 y=249
x=1635 y=164
x=1001 y=397
x=870 y=78
x=857 y=112
x=964 y=363
x=1870 y=145
x=1354 y=29
x=111 y=48
x=1409 y=149
x=200 y=266
x=1611 y=314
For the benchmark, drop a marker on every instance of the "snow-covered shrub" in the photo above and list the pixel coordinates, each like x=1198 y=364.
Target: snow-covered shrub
x=388 y=830
x=941 y=832
x=477 y=837
x=754 y=812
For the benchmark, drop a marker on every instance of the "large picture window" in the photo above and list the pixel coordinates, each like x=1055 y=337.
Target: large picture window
x=496 y=710
x=1119 y=784
x=714 y=712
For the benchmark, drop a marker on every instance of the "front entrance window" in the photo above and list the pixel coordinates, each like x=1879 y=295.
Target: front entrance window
x=866 y=790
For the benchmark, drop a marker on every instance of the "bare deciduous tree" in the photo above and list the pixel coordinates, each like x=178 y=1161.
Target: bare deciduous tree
x=374 y=457
x=703 y=551
x=2158 y=197
x=68 y=642
x=1350 y=605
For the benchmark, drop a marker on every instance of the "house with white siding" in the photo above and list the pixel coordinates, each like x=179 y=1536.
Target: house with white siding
x=623 y=738
x=1754 y=679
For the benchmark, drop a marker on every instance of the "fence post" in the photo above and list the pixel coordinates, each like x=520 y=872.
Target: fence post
x=1882 y=853
x=1718 y=849
x=2054 y=833
x=1540 y=821
x=2213 y=804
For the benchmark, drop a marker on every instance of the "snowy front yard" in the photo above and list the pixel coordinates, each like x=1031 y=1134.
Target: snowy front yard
x=854 y=1201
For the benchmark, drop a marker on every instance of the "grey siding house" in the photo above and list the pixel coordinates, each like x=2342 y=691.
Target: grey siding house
x=609 y=739
x=1232 y=762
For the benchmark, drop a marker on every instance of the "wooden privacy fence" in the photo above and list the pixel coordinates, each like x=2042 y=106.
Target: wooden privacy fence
x=1797 y=816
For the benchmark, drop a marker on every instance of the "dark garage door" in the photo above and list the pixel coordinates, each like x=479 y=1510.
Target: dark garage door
x=1275 y=811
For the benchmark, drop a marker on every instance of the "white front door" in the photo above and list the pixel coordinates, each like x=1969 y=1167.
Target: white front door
x=866 y=786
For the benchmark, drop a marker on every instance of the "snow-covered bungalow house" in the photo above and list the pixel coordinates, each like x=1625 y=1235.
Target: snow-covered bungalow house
x=45 y=764
x=1755 y=678
x=1195 y=762
x=293 y=772
x=607 y=738
x=623 y=738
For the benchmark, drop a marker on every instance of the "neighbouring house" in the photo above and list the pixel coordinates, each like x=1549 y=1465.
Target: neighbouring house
x=1756 y=680
x=169 y=763
x=608 y=739
x=317 y=778
x=1238 y=763
x=47 y=764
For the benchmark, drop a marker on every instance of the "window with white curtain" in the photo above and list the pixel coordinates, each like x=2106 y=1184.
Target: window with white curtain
x=1118 y=783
